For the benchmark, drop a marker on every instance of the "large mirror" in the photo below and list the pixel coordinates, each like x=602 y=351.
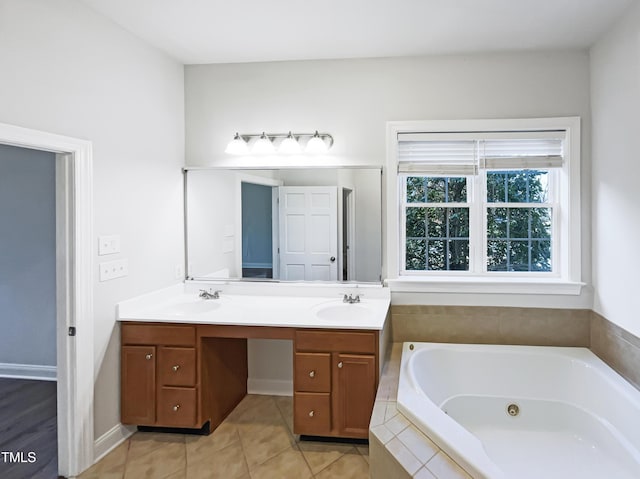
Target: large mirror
x=319 y=224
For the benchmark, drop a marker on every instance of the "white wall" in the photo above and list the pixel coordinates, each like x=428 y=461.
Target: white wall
x=27 y=257
x=353 y=100
x=212 y=210
x=68 y=70
x=615 y=102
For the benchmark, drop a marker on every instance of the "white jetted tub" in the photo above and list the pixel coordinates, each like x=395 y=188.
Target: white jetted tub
x=523 y=412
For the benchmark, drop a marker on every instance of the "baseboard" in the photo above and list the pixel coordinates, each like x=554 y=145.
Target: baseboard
x=28 y=371
x=270 y=387
x=110 y=440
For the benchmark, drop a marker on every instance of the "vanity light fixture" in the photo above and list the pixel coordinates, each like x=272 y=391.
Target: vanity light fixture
x=237 y=146
x=263 y=146
x=287 y=143
x=290 y=146
x=316 y=145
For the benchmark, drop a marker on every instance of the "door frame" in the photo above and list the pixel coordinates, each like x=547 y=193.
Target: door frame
x=74 y=286
x=242 y=177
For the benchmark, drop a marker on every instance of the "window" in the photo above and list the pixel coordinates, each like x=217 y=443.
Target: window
x=437 y=223
x=490 y=204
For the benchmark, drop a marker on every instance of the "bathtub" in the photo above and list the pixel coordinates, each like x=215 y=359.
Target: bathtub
x=523 y=412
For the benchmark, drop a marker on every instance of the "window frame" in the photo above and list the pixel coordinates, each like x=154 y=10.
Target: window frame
x=566 y=234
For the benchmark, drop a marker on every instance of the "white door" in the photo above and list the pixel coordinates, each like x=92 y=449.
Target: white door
x=308 y=233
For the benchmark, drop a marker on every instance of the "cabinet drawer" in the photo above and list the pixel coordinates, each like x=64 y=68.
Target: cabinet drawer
x=158 y=334
x=327 y=340
x=176 y=366
x=312 y=413
x=176 y=407
x=312 y=372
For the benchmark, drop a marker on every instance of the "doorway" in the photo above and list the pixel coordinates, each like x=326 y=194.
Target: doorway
x=73 y=292
x=346 y=235
x=257 y=231
x=28 y=313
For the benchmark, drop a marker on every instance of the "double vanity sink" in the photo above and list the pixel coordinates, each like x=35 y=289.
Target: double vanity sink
x=343 y=308
x=184 y=357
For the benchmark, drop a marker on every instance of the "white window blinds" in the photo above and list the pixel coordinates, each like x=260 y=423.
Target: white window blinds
x=463 y=153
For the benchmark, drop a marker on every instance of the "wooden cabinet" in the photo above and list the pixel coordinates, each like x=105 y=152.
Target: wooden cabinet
x=138 y=391
x=335 y=382
x=158 y=375
x=183 y=376
x=356 y=378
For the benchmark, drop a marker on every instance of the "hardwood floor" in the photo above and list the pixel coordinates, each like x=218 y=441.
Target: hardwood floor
x=28 y=429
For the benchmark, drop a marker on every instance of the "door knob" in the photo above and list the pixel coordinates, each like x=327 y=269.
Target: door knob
x=332 y=259
x=148 y=357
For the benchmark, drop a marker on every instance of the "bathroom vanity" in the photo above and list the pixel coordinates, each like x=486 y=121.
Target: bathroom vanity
x=184 y=359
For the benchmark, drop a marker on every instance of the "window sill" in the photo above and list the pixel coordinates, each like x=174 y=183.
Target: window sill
x=484 y=285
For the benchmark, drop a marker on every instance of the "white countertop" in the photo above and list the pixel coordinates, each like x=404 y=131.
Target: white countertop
x=259 y=304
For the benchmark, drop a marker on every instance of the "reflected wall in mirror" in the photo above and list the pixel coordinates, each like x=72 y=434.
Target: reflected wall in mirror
x=319 y=224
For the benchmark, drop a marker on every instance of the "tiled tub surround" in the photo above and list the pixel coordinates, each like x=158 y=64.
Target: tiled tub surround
x=616 y=347
x=491 y=325
x=412 y=454
x=397 y=449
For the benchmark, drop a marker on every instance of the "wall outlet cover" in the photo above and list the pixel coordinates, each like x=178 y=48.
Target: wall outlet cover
x=114 y=269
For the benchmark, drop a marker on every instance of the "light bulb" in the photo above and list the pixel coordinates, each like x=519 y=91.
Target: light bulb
x=290 y=146
x=237 y=146
x=316 y=145
x=263 y=146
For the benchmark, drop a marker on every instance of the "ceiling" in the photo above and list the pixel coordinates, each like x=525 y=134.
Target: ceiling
x=228 y=31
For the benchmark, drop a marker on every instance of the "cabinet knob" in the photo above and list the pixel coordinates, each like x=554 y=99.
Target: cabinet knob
x=340 y=365
x=312 y=374
x=148 y=356
x=176 y=407
x=176 y=367
x=311 y=413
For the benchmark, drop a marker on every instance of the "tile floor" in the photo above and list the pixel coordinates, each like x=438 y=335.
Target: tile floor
x=256 y=441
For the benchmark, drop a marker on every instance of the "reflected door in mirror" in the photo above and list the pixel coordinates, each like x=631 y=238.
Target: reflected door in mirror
x=308 y=233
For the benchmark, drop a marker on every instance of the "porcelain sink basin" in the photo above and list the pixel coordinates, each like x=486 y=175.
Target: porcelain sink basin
x=343 y=312
x=191 y=308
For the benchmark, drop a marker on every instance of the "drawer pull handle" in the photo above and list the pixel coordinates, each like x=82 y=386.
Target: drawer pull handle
x=312 y=374
x=176 y=407
x=311 y=413
x=175 y=368
x=148 y=356
x=340 y=365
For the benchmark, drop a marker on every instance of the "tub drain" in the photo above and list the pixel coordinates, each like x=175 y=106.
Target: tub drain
x=513 y=410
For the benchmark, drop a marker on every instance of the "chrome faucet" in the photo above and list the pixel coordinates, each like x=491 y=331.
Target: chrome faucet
x=350 y=299
x=204 y=294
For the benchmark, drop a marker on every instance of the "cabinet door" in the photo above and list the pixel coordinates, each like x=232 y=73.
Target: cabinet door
x=355 y=393
x=138 y=385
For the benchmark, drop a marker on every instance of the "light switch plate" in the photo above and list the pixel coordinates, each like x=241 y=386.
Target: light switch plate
x=114 y=269
x=108 y=245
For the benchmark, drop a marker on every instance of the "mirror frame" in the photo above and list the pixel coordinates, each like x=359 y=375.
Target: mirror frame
x=239 y=168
